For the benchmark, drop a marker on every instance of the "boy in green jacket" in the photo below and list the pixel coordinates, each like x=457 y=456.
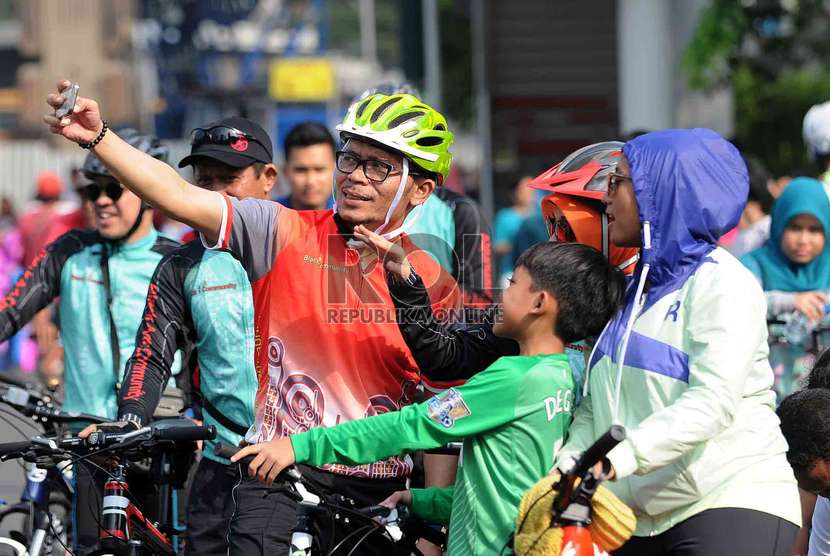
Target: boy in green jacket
x=513 y=416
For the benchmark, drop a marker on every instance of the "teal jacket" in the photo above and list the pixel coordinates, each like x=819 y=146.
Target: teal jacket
x=202 y=297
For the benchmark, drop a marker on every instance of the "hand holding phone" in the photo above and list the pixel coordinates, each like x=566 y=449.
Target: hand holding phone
x=70 y=95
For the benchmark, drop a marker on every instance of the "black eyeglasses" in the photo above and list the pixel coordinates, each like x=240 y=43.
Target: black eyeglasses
x=220 y=135
x=91 y=192
x=375 y=170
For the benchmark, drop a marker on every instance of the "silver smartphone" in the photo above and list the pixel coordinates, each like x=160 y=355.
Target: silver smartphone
x=70 y=95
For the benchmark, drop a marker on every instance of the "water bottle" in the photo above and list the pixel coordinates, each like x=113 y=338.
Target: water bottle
x=799 y=327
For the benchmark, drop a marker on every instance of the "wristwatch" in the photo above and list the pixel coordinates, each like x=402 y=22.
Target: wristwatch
x=132 y=419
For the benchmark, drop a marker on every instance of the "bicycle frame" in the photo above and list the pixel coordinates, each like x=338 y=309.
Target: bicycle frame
x=126 y=532
x=122 y=521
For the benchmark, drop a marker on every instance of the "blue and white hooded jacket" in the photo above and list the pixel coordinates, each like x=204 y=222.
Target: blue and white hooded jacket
x=694 y=388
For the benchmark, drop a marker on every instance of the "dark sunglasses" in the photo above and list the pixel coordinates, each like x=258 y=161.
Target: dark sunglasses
x=91 y=192
x=220 y=135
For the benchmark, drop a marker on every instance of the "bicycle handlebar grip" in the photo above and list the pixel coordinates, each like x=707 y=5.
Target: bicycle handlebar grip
x=225 y=450
x=8 y=448
x=599 y=449
x=185 y=433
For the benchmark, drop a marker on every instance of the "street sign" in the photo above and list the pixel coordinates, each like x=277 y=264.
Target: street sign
x=301 y=80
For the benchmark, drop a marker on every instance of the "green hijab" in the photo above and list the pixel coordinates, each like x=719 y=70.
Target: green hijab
x=770 y=265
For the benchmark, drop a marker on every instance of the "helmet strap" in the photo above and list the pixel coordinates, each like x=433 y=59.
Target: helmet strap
x=408 y=223
x=133 y=228
x=395 y=202
x=606 y=250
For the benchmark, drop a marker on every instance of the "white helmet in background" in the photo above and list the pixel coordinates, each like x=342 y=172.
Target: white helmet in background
x=817 y=130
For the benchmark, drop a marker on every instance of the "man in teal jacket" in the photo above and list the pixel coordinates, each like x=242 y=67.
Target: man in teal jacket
x=102 y=277
x=203 y=296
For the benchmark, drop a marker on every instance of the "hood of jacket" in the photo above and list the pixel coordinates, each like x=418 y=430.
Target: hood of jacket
x=691 y=186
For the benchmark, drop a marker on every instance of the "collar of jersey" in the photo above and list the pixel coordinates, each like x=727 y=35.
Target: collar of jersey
x=142 y=244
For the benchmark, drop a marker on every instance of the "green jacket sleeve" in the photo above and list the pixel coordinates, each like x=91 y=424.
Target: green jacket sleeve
x=433 y=504
x=485 y=402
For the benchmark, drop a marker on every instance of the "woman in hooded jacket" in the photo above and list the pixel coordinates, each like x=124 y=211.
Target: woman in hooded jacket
x=683 y=366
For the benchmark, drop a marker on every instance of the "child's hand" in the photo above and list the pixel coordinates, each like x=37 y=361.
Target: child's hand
x=393 y=256
x=271 y=458
x=811 y=304
x=401 y=497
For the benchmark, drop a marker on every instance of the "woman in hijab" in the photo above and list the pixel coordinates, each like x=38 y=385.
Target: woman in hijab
x=793 y=267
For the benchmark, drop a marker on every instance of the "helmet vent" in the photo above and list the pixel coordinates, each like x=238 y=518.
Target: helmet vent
x=429 y=141
x=382 y=108
x=404 y=118
x=362 y=107
x=440 y=127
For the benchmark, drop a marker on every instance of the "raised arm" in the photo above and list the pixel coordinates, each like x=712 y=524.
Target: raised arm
x=152 y=180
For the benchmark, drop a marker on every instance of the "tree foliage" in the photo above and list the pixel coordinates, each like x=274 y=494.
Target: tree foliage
x=773 y=54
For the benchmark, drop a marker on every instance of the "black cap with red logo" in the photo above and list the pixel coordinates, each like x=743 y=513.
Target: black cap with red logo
x=234 y=141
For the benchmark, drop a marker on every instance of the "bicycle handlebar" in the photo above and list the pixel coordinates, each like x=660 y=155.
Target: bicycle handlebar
x=5 y=378
x=191 y=433
x=400 y=521
x=598 y=450
x=393 y=520
x=149 y=437
x=228 y=451
x=589 y=458
x=9 y=448
x=31 y=403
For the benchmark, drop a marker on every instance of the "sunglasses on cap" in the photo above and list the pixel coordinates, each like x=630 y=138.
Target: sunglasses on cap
x=220 y=135
x=91 y=192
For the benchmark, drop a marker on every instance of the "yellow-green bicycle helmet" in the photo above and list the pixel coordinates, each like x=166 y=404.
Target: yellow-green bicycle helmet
x=404 y=124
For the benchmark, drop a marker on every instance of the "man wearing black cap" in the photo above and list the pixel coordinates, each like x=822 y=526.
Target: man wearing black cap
x=203 y=297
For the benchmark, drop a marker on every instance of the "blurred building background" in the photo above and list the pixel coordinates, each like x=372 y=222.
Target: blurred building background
x=523 y=82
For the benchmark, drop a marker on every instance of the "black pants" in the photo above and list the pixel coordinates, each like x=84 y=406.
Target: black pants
x=210 y=508
x=726 y=531
x=262 y=522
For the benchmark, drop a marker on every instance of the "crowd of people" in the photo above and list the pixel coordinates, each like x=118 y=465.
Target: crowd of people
x=666 y=283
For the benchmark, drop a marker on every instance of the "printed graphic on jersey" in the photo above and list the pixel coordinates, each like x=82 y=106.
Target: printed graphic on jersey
x=294 y=402
x=448 y=409
x=395 y=466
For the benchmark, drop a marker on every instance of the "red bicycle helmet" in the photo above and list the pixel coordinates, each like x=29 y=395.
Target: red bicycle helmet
x=574 y=210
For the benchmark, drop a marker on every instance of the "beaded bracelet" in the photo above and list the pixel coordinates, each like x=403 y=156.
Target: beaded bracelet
x=97 y=139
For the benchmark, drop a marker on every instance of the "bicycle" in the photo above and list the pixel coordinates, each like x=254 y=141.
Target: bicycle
x=45 y=501
x=791 y=362
x=398 y=525
x=124 y=529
